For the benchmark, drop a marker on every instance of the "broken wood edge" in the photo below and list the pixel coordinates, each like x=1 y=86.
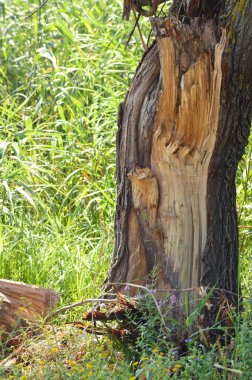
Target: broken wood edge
x=23 y=305
x=148 y=240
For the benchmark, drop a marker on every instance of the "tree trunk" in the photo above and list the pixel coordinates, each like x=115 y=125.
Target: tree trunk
x=183 y=128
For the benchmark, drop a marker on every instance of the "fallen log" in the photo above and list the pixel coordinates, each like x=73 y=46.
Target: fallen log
x=23 y=304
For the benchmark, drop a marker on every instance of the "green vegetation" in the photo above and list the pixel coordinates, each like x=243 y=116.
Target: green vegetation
x=63 y=72
x=67 y=352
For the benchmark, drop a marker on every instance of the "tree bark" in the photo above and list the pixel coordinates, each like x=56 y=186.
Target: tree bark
x=183 y=128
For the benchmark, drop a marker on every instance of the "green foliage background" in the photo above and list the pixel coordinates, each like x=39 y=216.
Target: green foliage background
x=63 y=72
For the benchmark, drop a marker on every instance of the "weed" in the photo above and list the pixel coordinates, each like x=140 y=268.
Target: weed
x=63 y=72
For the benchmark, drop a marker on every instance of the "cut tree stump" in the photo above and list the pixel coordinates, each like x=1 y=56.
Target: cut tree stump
x=23 y=304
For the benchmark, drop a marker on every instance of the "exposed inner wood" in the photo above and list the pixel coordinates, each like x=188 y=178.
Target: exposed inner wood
x=168 y=222
x=21 y=304
x=145 y=193
x=183 y=143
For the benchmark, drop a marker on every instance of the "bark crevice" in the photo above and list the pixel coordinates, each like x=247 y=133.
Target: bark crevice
x=179 y=129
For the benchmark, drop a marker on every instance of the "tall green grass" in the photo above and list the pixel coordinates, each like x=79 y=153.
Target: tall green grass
x=63 y=72
x=244 y=208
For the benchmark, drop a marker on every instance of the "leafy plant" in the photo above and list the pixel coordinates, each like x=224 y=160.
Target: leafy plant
x=63 y=72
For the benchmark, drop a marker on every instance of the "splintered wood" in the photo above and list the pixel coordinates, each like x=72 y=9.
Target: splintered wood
x=167 y=226
x=22 y=304
x=145 y=193
x=184 y=137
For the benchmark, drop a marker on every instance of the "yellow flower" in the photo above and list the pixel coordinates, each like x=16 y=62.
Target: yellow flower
x=24 y=377
x=176 y=367
x=55 y=349
x=155 y=350
x=90 y=373
x=71 y=362
x=144 y=359
x=132 y=378
x=88 y=365
x=135 y=364
x=161 y=354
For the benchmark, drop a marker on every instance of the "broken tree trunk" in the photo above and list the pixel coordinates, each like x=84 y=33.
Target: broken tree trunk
x=22 y=304
x=182 y=131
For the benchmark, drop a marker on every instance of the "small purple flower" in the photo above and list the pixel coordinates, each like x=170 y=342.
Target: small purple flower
x=153 y=291
x=127 y=288
x=161 y=303
x=137 y=296
x=173 y=299
x=188 y=340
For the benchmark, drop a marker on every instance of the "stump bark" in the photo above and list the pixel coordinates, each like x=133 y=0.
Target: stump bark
x=183 y=128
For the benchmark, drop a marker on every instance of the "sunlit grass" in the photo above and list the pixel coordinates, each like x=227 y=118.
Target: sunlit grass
x=64 y=71
x=68 y=352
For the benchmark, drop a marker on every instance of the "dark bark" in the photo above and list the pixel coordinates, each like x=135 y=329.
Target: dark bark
x=209 y=255
x=221 y=252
